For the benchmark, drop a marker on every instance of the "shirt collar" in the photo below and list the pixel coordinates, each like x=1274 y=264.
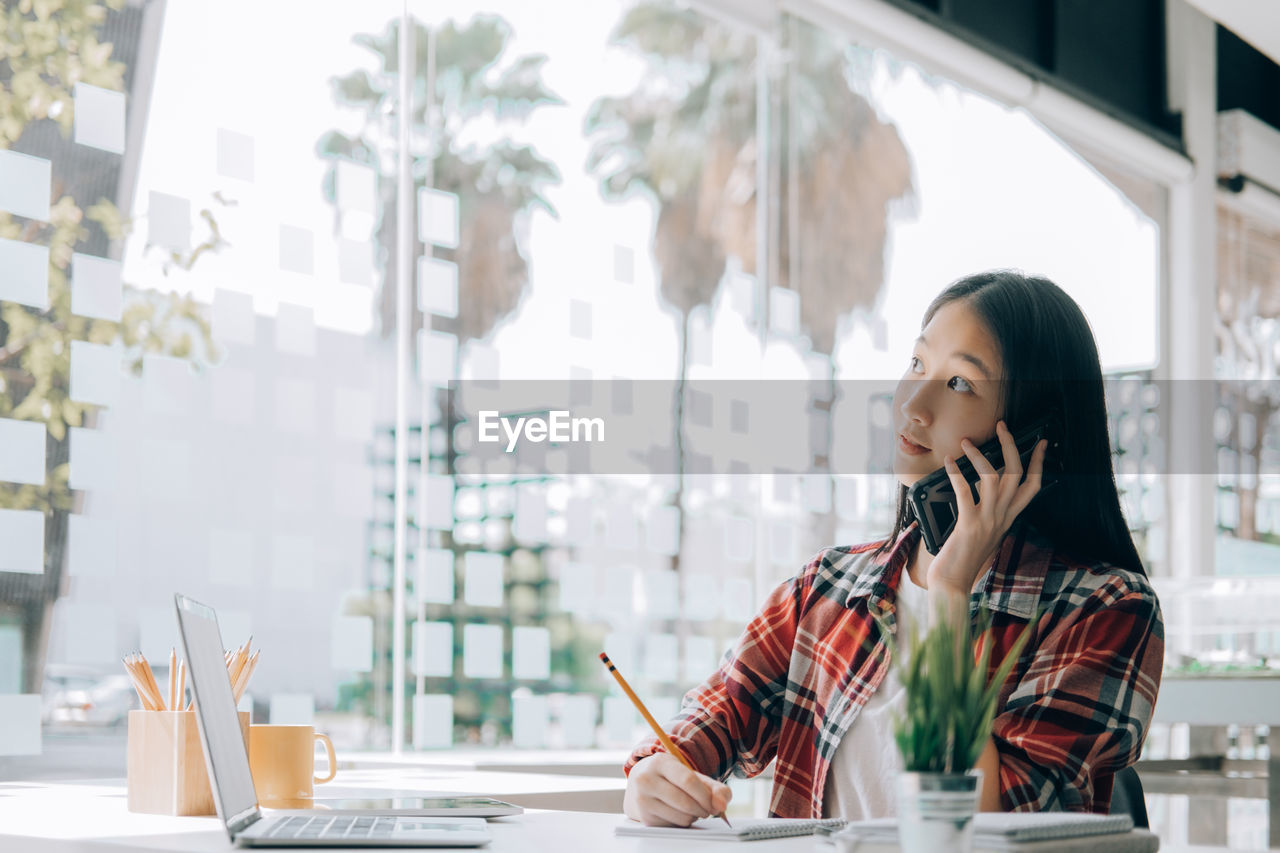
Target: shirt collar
x=1012 y=583
x=878 y=581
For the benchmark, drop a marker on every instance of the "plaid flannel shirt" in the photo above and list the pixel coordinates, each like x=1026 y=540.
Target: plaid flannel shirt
x=1073 y=711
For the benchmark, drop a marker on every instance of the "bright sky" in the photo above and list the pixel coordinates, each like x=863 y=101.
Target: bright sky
x=994 y=189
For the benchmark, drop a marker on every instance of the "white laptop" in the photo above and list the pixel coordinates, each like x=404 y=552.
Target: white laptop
x=228 y=764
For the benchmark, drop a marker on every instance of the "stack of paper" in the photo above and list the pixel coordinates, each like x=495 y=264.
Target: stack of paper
x=1025 y=832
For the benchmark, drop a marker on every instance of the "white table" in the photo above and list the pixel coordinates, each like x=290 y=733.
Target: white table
x=532 y=832
x=1246 y=699
x=92 y=817
x=568 y=762
x=527 y=789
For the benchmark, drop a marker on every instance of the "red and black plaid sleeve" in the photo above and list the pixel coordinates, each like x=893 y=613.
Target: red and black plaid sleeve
x=1080 y=710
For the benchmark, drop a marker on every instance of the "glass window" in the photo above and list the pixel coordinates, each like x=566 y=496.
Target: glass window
x=643 y=215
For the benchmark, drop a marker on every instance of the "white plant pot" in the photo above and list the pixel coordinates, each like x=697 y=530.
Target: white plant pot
x=935 y=811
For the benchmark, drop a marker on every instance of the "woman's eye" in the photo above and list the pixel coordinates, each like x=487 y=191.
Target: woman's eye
x=964 y=386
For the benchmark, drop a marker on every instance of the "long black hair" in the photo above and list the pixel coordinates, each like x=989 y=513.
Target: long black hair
x=1050 y=363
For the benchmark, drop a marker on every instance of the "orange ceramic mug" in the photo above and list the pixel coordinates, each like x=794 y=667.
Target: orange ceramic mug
x=282 y=759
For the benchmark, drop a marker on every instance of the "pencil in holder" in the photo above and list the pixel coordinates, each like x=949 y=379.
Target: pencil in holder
x=166 y=769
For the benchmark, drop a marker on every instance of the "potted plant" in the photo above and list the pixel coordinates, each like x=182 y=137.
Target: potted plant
x=950 y=704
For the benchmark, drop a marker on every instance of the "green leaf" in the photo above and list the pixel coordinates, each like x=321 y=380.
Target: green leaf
x=516 y=93
x=357 y=90
x=661 y=30
x=950 y=700
x=108 y=216
x=472 y=48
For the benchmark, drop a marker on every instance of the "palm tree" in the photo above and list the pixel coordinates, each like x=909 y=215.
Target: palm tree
x=686 y=137
x=677 y=138
x=497 y=184
x=843 y=168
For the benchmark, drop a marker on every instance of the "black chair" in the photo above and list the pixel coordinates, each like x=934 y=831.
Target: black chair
x=1127 y=797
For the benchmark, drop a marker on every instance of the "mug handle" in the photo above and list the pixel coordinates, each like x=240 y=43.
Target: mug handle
x=333 y=761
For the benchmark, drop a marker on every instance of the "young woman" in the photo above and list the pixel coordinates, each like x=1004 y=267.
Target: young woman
x=809 y=683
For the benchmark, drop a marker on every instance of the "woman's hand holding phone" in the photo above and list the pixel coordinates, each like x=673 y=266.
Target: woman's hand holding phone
x=980 y=527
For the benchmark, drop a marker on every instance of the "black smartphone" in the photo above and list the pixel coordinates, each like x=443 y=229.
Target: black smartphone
x=933 y=500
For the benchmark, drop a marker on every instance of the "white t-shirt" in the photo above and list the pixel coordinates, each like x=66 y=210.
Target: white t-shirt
x=861 y=780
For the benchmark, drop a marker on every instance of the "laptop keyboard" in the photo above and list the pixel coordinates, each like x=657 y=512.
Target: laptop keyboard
x=330 y=827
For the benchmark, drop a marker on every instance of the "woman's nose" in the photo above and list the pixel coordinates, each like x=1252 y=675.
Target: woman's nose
x=915 y=405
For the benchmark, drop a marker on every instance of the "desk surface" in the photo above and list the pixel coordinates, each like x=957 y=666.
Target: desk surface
x=572 y=762
x=92 y=817
x=1219 y=700
x=528 y=789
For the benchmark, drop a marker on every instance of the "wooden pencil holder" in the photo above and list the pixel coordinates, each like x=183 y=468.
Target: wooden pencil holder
x=166 y=769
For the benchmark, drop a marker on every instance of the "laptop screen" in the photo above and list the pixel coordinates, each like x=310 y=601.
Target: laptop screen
x=225 y=751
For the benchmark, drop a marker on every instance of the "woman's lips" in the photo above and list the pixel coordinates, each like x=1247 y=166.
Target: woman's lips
x=910 y=448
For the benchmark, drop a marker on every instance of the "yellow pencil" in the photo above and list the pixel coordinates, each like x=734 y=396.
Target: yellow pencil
x=242 y=679
x=667 y=742
x=149 y=676
x=136 y=678
x=150 y=693
x=173 y=678
x=182 y=682
x=238 y=662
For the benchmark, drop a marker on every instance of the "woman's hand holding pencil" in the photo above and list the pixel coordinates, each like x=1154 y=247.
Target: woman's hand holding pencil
x=665 y=789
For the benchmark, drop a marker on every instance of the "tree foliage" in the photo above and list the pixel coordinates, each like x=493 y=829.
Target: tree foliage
x=687 y=137
x=498 y=181
x=46 y=48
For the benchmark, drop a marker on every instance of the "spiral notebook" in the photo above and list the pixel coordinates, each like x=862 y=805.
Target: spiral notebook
x=744 y=829
x=1025 y=832
x=1043 y=826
